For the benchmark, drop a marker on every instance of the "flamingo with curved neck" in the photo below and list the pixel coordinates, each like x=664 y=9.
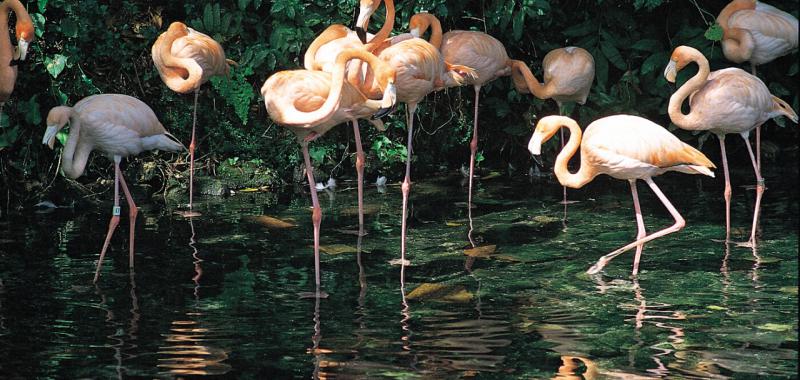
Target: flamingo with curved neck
x=294 y=99
x=10 y=57
x=117 y=125
x=624 y=147
x=185 y=59
x=724 y=101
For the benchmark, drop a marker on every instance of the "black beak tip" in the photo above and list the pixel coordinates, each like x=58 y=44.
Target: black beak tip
x=538 y=161
x=362 y=34
x=383 y=112
x=14 y=62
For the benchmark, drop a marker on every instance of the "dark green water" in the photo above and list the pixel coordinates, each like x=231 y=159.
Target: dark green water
x=228 y=305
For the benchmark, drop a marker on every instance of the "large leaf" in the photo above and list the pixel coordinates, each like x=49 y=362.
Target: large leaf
x=55 y=64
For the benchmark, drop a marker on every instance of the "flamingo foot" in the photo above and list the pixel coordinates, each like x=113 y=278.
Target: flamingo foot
x=400 y=262
x=188 y=214
x=304 y=295
x=746 y=244
x=568 y=202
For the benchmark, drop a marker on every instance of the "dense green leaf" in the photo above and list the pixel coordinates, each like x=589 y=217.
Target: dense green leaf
x=55 y=65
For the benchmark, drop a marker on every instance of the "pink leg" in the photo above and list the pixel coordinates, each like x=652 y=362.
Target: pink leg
x=640 y=224
x=316 y=216
x=727 y=192
x=360 y=158
x=564 y=188
x=112 y=225
x=759 y=192
x=679 y=223
x=758 y=147
x=473 y=146
x=192 y=146
x=132 y=212
x=406 y=187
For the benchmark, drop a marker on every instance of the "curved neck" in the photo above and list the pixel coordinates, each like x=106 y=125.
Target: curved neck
x=300 y=118
x=688 y=121
x=333 y=32
x=737 y=44
x=6 y=51
x=388 y=24
x=73 y=168
x=584 y=174
x=179 y=74
x=731 y=8
x=526 y=83
x=425 y=21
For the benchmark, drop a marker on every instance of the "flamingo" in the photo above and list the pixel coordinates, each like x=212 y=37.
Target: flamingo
x=310 y=103
x=624 y=147
x=421 y=69
x=118 y=126
x=568 y=77
x=10 y=58
x=478 y=50
x=759 y=33
x=724 y=101
x=185 y=59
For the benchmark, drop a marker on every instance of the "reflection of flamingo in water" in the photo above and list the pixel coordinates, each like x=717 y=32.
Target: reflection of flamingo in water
x=133 y=326
x=659 y=313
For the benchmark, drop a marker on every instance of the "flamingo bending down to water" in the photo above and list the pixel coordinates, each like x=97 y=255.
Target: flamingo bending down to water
x=624 y=147
x=185 y=59
x=118 y=126
x=421 y=69
x=724 y=101
x=311 y=102
x=759 y=33
x=568 y=77
x=10 y=58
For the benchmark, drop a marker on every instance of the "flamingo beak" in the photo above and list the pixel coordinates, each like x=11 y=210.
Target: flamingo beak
x=416 y=32
x=388 y=103
x=535 y=144
x=671 y=72
x=50 y=136
x=364 y=13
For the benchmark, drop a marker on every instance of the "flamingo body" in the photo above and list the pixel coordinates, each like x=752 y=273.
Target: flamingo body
x=571 y=72
x=756 y=32
x=480 y=51
x=186 y=58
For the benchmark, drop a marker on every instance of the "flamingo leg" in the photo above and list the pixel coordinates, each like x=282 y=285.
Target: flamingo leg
x=112 y=225
x=473 y=145
x=728 y=191
x=564 y=188
x=192 y=146
x=759 y=192
x=640 y=225
x=360 y=160
x=316 y=215
x=406 y=187
x=679 y=223
x=132 y=212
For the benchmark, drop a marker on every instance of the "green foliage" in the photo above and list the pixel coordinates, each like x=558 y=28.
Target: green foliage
x=86 y=47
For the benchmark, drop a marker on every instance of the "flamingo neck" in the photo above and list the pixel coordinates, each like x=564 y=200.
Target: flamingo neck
x=333 y=32
x=6 y=51
x=585 y=173
x=689 y=121
x=737 y=44
x=388 y=24
x=733 y=7
x=174 y=70
x=73 y=168
x=526 y=82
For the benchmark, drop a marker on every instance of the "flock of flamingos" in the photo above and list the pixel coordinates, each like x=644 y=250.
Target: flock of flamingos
x=350 y=75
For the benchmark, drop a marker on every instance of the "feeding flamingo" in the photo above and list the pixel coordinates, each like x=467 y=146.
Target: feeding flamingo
x=724 y=101
x=310 y=103
x=10 y=58
x=185 y=59
x=624 y=147
x=117 y=125
x=568 y=77
x=759 y=33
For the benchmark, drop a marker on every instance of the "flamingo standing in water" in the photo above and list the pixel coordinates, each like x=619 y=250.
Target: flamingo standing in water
x=724 y=101
x=9 y=57
x=185 y=59
x=568 y=77
x=624 y=147
x=420 y=69
x=477 y=50
x=118 y=126
x=310 y=103
x=759 y=33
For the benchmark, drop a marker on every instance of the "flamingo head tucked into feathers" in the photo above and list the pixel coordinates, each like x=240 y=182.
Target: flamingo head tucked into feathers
x=57 y=118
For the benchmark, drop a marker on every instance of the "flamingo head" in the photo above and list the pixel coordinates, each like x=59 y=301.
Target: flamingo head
x=419 y=24
x=25 y=35
x=545 y=129
x=681 y=56
x=178 y=27
x=780 y=107
x=385 y=78
x=57 y=118
x=365 y=11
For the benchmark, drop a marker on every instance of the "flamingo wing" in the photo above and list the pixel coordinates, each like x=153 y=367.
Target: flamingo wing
x=207 y=52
